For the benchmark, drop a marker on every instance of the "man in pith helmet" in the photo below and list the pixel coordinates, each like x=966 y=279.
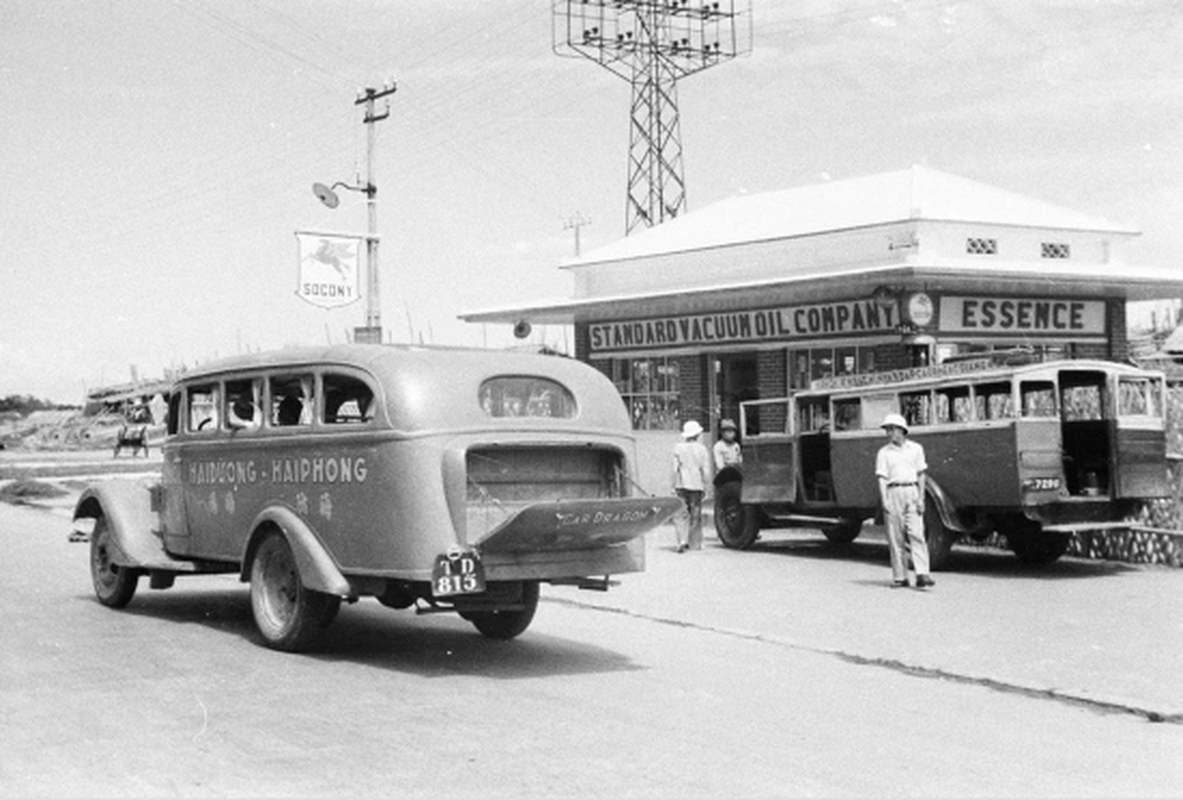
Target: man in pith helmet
x=900 y=467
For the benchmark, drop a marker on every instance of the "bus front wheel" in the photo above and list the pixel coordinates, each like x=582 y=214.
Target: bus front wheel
x=114 y=585
x=737 y=524
x=937 y=536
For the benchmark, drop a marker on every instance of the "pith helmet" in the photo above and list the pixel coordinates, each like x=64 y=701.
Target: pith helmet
x=895 y=421
x=691 y=429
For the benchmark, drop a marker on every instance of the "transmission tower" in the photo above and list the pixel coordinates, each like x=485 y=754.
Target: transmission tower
x=651 y=44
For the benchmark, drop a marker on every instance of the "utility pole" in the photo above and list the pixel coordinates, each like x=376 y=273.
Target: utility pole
x=372 y=332
x=575 y=222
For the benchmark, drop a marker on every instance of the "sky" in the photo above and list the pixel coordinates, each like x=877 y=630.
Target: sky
x=157 y=156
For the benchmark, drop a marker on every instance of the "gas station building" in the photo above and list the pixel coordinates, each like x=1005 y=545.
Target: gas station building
x=757 y=295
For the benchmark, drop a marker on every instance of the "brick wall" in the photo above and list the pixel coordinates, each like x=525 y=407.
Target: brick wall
x=1119 y=348
x=694 y=388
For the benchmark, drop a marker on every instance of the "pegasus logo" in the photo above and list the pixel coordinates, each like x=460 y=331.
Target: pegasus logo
x=337 y=255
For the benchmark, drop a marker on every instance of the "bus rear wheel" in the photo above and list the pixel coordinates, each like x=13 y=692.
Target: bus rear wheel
x=287 y=614
x=844 y=532
x=1032 y=546
x=507 y=624
x=737 y=524
x=937 y=536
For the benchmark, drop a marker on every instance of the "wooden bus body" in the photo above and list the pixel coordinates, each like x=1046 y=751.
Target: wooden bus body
x=1032 y=451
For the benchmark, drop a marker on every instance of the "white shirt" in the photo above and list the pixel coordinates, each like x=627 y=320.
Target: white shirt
x=900 y=463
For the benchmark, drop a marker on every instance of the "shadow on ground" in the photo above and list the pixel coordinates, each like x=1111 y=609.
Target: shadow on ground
x=368 y=633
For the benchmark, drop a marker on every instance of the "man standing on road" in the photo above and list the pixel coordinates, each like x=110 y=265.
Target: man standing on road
x=691 y=473
x=900 y=467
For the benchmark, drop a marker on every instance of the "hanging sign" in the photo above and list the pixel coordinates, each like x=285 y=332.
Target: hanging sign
x=328 y=266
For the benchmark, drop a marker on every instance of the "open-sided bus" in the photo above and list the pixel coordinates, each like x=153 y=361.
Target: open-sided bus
x=445 y=479
x=1030 y=451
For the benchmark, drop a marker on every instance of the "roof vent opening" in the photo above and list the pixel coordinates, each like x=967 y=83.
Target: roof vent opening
x=981 y=247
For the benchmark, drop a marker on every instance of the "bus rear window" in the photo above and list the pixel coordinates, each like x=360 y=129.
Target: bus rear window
x=519 y=396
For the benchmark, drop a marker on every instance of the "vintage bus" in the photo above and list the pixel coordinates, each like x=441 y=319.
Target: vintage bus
x=1031 y=451
x=440 y=479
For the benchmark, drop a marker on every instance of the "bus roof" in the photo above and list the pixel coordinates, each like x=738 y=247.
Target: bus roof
x=967 y=371
x=436 y=387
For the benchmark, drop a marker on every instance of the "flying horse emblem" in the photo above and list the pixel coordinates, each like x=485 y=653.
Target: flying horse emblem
x=337 y=255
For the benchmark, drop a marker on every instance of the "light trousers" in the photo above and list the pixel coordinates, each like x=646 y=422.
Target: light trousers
x=688 y=525
x=905 y=529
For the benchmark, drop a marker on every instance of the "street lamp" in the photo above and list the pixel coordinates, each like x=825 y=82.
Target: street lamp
x=371 y=333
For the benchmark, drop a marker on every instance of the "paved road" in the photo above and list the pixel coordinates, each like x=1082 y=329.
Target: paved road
x=767 y=673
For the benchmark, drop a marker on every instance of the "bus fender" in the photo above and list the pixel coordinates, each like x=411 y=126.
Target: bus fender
x=730 y=474
x=944 y=505
x=133 y=524
x=318 y=571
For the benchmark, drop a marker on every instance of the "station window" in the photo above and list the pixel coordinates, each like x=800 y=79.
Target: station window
x=649 y=388
x=809 y=364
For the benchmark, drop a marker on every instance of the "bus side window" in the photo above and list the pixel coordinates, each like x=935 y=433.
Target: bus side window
x=953 y=405
x=916 y=407
x=1134 y=398
x=244 y=407
x=203 y=409
x=1039 y=398
x=994 y=401
x=847 y=414
x=174 y=413
x=813 y=416
x=291 y=400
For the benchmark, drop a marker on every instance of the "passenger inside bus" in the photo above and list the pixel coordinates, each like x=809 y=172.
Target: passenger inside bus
x=289 y=411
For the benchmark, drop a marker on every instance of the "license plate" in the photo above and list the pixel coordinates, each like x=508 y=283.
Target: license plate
x=457 y=572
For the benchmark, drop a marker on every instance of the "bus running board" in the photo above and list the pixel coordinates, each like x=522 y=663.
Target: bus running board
x=806 y=519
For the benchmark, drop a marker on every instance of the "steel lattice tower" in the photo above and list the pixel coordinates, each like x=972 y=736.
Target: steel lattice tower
x=651 y=44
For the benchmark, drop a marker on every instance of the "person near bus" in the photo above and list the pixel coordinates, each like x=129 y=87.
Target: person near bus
x=691 y=474
x=900 y=468
x=727 y=450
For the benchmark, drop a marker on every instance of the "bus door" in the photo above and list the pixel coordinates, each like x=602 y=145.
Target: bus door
x=813 y=439
x=1140 y=451
x=769 y=451
x=1086 y=433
